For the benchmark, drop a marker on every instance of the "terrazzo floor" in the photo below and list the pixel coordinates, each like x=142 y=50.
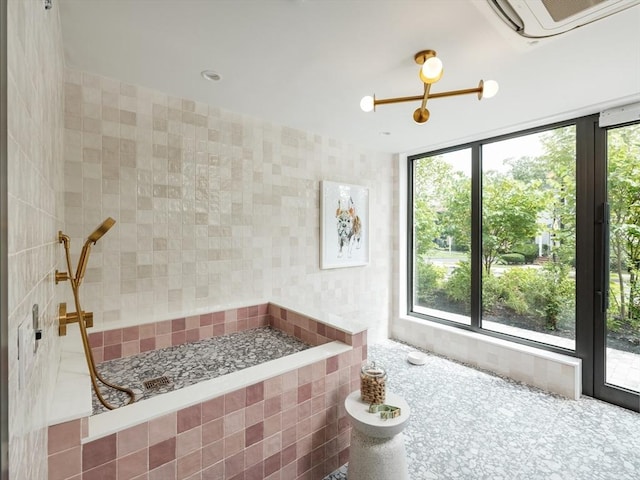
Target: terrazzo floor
x=191 y=363
x=467 y=424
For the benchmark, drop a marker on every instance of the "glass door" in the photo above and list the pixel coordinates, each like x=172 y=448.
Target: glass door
x=617 y=348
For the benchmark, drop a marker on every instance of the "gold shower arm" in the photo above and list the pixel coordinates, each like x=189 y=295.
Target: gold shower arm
x=68 y=275
x=61 y=276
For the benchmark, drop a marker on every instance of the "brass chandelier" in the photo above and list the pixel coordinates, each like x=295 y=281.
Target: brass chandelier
x=430 y=72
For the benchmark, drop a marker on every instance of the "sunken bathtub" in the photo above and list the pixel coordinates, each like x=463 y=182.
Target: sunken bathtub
x=280 y=419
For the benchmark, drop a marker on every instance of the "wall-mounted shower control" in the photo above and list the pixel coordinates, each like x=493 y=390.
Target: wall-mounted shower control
x=35 y=321
x=65 y=318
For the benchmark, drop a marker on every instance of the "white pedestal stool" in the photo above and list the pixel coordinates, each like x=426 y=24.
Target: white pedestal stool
x=377 y=450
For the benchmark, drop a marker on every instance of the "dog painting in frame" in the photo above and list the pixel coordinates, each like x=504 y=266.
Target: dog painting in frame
x=349 y=227
x=344 y=223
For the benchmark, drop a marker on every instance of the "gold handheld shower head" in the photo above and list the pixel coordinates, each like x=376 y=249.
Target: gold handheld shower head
x=86 y=249
x=101 y=230
x=83 y=318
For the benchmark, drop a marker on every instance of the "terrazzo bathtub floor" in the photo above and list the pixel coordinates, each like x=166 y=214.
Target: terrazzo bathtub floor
x=467 y=424
x=191 y=363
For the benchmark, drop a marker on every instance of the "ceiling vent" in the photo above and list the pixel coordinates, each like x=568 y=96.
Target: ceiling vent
x=544 y=18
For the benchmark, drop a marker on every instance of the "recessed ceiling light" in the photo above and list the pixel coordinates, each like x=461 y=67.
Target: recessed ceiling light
x=211 y=75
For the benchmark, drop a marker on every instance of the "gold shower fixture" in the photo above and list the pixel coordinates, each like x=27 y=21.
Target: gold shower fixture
x=430 y=72
x=84 y=319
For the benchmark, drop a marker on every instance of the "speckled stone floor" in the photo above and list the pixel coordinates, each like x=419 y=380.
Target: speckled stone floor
x=467 y=424
x=191 y=363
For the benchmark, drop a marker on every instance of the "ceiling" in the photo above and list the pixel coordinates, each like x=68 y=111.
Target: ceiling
x=307 y=63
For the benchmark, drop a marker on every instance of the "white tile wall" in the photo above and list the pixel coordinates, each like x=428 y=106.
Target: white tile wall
x=212 y=208
x=35 y=176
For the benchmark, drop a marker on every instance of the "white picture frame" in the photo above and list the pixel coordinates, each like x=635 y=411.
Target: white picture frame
x=344 y=225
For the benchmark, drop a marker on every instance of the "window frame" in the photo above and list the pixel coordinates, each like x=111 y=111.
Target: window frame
x=587 y=131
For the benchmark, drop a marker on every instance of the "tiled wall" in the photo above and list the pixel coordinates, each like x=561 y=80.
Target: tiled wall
x=291 y=426
x=212 y=208
x=124 y=342
x=35 y=207
x=306 y=328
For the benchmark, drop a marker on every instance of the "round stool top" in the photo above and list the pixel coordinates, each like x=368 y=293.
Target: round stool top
x=370 y=423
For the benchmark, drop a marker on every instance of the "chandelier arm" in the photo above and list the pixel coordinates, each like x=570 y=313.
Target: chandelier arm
x=415 y=98
x=423 y=105
x=386 y=101
x=453 y=93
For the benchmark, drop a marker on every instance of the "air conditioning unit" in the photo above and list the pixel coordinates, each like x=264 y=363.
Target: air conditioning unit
x=544 y=18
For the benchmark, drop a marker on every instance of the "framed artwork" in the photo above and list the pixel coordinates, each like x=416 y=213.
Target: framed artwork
x=344 y=225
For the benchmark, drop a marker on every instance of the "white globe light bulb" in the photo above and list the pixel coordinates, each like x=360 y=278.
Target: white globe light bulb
x=490 y=89
x=431 y=70
x=366 y=104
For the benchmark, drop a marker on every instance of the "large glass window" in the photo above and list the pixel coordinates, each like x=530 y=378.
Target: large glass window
x=442 y=235
x=535 y=237
x=528 y=236
x=523 y=261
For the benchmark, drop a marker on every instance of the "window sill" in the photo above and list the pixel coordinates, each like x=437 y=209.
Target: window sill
x=550 y=371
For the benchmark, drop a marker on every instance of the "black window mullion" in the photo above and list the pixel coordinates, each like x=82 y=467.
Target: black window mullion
x=589 y=192
x=476 y=236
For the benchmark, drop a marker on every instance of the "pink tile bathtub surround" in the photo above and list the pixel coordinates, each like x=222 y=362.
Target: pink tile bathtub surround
x=313 y=331
x=124 y=342
x=292 y=426
x=65 y=451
